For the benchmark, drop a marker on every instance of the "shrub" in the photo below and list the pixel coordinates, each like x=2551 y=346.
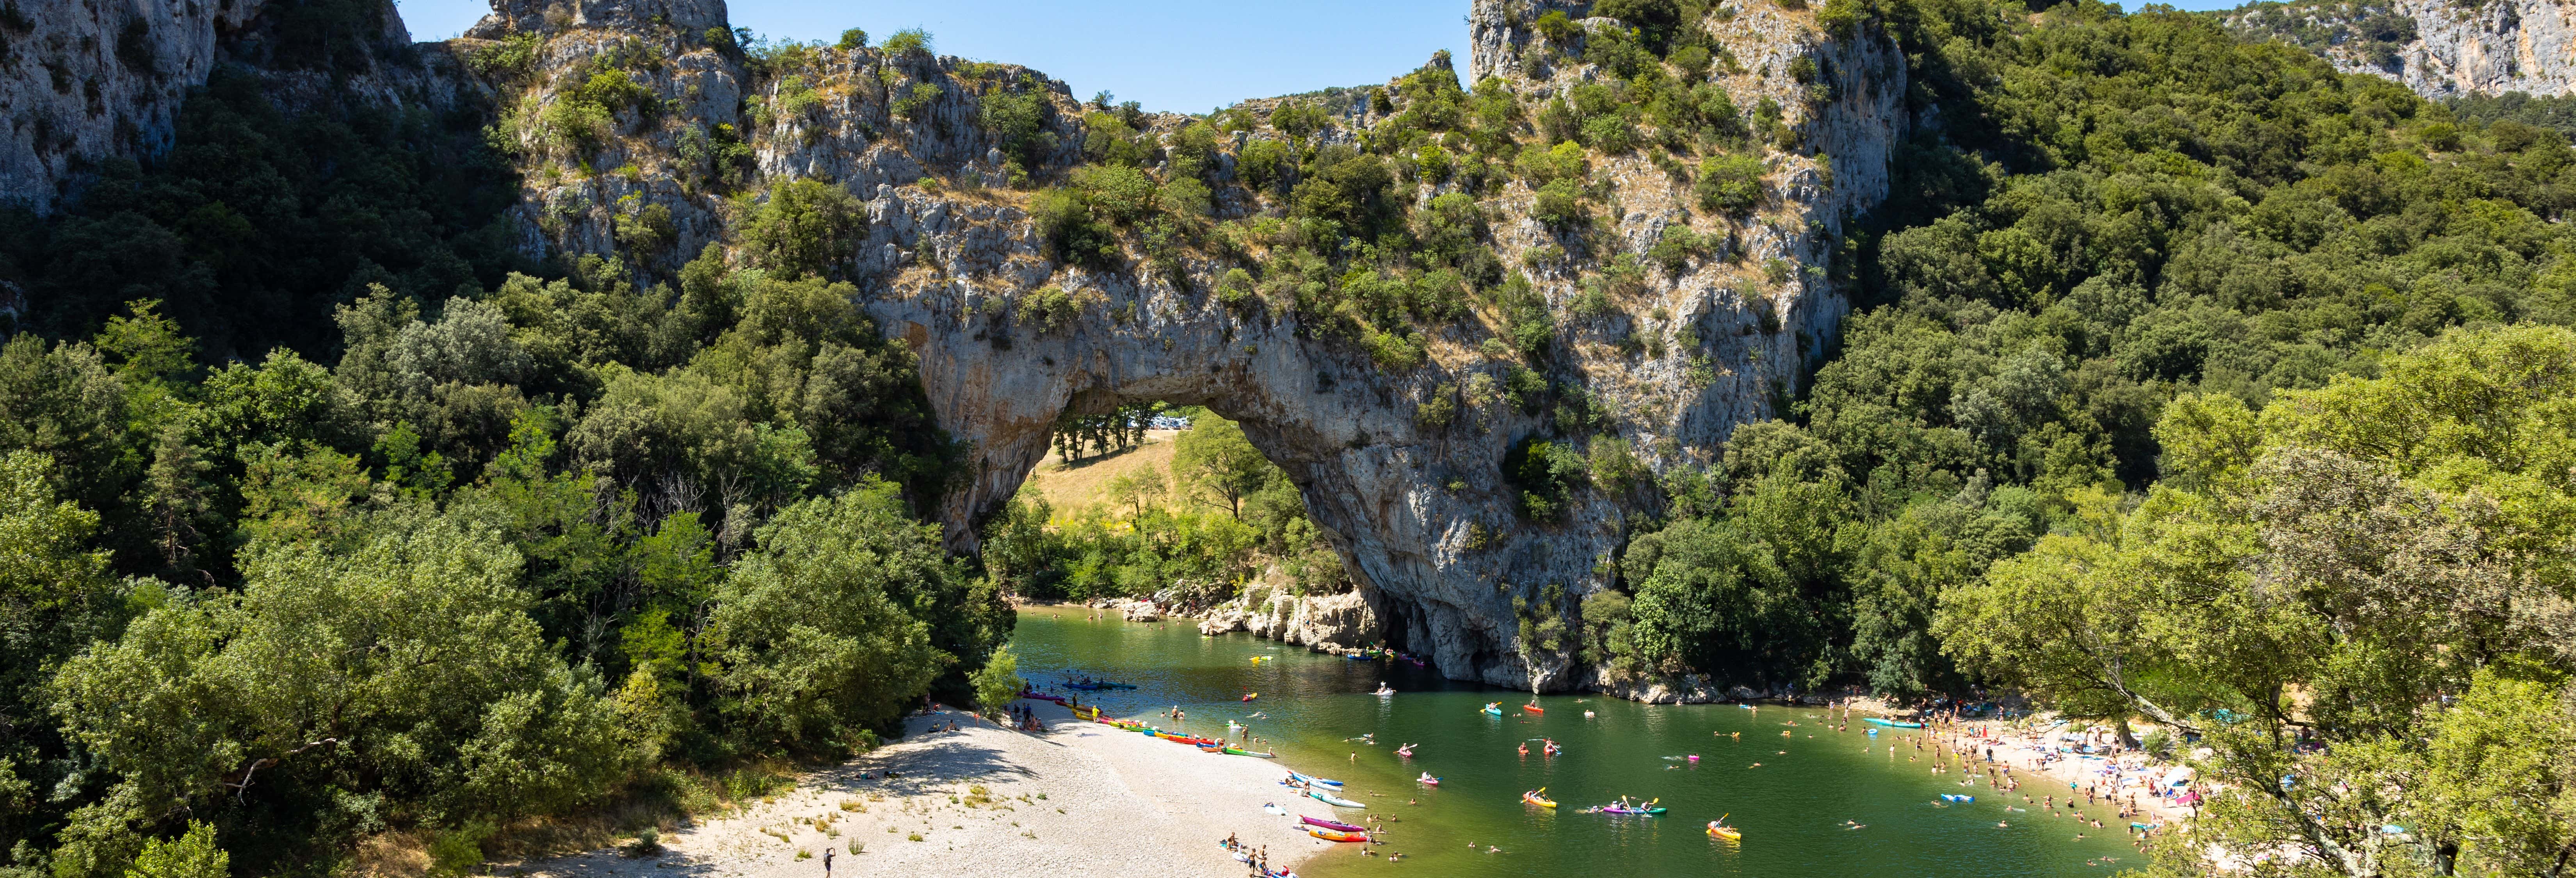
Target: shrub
x=1298 y=119
x=1546 y=475
x=1235 y=288
x=1047 y=309
x=853 y=38
x=1674 y=250
x=909 y=103
x=512 y=57
x=806 y=227
x=1557 y=28
x=1260 y=163
x=1063 y=218
x=1609 y=133
x=1730 y=183
x=1542 y=165
x=1117 y=192
x=1185 y=197
x=1558 y=204
x=1394 y=352
x=1693 y=62
x=908 y=41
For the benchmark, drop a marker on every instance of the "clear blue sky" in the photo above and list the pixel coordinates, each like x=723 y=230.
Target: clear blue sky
x=1176 y=55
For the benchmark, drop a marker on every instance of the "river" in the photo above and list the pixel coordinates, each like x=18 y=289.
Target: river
x=1797 y=810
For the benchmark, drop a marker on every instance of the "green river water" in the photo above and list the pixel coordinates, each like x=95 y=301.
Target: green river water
x=1792 y=809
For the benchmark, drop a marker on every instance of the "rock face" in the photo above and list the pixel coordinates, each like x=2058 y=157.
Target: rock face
x=2439 y=48
x=87 y=81
x=1331 y=622
x=1417 y=504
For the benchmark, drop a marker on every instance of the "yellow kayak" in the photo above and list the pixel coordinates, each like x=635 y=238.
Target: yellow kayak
x=1534 y=798
x=1718 y=828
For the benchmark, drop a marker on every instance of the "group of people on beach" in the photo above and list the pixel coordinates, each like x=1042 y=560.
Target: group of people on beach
x=1953 y=738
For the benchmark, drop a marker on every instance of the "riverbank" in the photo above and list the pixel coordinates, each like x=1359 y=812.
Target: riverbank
x=1078 y=797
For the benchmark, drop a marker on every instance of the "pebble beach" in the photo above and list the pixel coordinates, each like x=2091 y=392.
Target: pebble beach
x=1077 y=798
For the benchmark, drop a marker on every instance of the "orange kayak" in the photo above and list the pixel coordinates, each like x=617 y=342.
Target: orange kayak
x=1332 y=835
x=1533 y=708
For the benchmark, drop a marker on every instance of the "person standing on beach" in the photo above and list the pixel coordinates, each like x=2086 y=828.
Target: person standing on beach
x=827 y=861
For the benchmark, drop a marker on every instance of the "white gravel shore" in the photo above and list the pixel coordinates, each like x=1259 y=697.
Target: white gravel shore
x=1116 y=803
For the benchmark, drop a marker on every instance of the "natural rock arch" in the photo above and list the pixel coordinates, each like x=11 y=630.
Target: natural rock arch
x=948 y=274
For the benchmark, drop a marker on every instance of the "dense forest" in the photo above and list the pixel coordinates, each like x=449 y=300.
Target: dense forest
x=2187 y=380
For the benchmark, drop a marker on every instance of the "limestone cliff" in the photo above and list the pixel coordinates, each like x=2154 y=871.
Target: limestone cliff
x=2439 y=48
x=641 y=129
x=87 y=81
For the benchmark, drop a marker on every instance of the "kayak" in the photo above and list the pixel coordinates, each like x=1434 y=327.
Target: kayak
x=1957 y=797
x=1273 y=808
x=1248 y=696
x=1096 y=687
x=1041 y=696
x=1534 y=798
x=1238 y=751
x=1427 y=780
x=1533 y=708
x=1328 y=824
x=1308 y=778
x=1624 y=809
x=1726 y=832
x=1890 y=723
x=1494 y=709
x=1329 y=835
x=1333 y=800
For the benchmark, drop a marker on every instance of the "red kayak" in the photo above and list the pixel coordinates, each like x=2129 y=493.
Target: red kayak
x=1327 y=824
x=1533 y=708
x=1059 y=699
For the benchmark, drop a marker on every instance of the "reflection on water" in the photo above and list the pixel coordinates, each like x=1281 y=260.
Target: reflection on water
x=1796 y=810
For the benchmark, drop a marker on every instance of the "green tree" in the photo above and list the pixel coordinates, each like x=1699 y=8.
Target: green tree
x=191 y=855
x=812 y=629
x=1219 y=465
x=998 y=682
x=804 y=227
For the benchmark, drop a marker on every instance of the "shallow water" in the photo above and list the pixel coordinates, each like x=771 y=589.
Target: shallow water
x=1792 y=809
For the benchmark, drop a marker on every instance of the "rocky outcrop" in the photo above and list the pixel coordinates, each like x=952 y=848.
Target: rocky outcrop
x=2439 y=48
x=1333 y=623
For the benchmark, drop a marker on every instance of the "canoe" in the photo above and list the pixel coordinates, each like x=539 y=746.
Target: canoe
x=1328 y=824
x=1533 y=708
x=1308 y=778
x=1333 y=800
x=1890 y=723
x=1329 y=835
x=1238 y=751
